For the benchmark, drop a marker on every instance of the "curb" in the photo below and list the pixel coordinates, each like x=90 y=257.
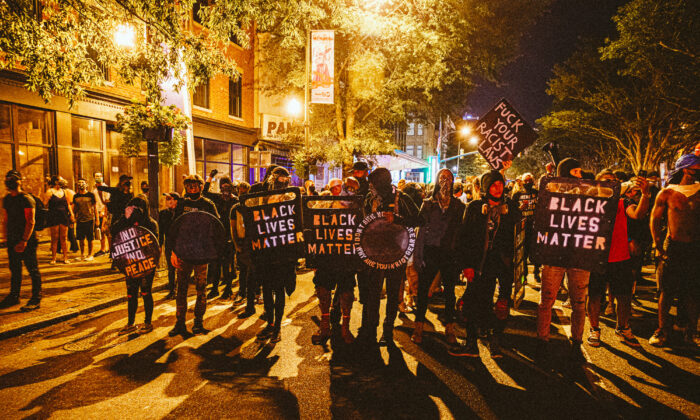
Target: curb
x=18 y=328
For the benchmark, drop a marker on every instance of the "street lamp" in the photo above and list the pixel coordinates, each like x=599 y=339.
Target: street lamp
x=474 y=140
x=294 y=107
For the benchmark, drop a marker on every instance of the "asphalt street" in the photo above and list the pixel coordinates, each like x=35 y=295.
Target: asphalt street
x=81 y=368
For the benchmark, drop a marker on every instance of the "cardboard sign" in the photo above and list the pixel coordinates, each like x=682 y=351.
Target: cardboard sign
x=519 y=263
x=526 y=202
x=503 y=134
x=273 y=225
x=135 y=252
x=198 y=237
x=329 y=228
x=384 y=244
x=574 y=221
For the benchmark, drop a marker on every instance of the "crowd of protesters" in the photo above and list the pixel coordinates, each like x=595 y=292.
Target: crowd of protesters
x=465 y=234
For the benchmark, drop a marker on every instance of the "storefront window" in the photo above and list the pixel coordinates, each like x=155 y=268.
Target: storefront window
x=85 y=164
x=5 y=123
x=239 y=154
x=32 y=126
x=6 y=153
x=34 y=166
x=86 y=133
x=218 y=151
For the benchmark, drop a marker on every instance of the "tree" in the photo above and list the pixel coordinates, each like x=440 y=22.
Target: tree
x=392 y=59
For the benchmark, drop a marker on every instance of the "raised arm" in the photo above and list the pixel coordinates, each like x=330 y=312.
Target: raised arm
x=658 y=214
x=638 y=211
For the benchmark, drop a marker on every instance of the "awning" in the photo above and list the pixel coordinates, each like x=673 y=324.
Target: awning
x=401 y=161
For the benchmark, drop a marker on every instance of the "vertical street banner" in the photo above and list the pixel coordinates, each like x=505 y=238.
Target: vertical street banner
x=503 y=133
x=322 y=66
x=519 y=263
x=135 y=252
x=574 y=221
x=329 y=228
x=273 y=225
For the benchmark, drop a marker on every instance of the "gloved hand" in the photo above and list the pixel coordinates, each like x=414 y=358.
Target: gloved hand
x=468 y=274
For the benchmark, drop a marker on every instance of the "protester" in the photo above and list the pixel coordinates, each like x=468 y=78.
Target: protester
x=384 y=197
x=166 y=217
x=119 y=196
x=486 y=245
x=526 y=199
x=360 y=171
x=102 y=233
x=193 y=201
x=136 y=214
x=440 y=219
x=20 y=235
x=679 y=272
x=60 y=217
x=551 y=283
x=85 y=210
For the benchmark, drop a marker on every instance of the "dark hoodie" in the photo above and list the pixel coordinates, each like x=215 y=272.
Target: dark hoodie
x=566 y=166
x=473 y=237
x=139 y=217
x=439 y=227
x=262 y=185
x=384 y=197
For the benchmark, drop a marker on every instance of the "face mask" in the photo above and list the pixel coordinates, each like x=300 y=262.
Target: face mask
x=11 y=184
x=193 y=195
x=280 y=182
x=98 y=179
x=82 y=185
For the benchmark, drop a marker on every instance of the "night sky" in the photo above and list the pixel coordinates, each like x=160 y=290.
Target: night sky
x=552 y=40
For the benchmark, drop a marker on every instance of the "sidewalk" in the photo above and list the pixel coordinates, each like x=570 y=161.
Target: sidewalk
x=67 y=291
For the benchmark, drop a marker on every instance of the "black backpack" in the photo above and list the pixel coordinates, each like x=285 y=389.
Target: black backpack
x=41 y=213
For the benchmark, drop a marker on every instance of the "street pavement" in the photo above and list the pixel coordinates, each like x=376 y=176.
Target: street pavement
x=81 y=368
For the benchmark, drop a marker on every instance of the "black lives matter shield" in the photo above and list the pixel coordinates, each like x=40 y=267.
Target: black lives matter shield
x=574 y=220
x=135 y=252
x=273 y=225
x=384 y=244
x=198 y=237
x=329 y=229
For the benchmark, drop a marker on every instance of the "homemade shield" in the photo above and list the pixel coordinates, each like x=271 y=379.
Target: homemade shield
x=198 y=237
x=135 y=252
x=519 y=264
x=574 y=221
x=384 y=244
x=329 y=229
x=273 y=225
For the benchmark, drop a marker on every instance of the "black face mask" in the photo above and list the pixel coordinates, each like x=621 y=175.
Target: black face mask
x=528 y=186
x=11 y=184
x=193 y=196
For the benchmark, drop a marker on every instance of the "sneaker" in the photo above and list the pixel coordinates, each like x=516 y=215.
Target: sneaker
x=198 y=327
x=275 y=336
x=471 y=349
x=145 y=328
x=178 y=329
x=266 y=333
x=66 y=262
x=100 y=253
x=212 y=294
x=627 y=337
x=495 y=348
x=128 y=329
x=9 y=301
x=659 y=338
x=30 y=306
x=594 y=337
x=89 y=258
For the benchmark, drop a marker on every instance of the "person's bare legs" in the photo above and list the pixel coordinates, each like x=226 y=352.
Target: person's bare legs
x=54 y=242
x=63 y=237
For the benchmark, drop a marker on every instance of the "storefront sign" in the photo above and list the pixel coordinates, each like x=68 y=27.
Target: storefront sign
x=329 y=227
x=503 y=134
x=198 y=237
x=574 y=221
x=322 y=66
x=274 y=126
x=384 y=244
x=273 y=225
x=135 y=252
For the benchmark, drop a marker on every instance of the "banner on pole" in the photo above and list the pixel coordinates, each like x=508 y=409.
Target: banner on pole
x=503 y=134
x=322 y=66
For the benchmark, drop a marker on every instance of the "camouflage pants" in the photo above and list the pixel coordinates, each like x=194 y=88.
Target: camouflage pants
x=200 y=281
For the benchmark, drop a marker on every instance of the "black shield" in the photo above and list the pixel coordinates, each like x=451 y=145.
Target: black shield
x=198 y=237
x=135 y=252
x=519 y=264
x=384 y=244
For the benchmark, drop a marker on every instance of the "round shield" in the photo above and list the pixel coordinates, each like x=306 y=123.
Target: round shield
x=135 y=252
x=198 y=237
x=383 y=244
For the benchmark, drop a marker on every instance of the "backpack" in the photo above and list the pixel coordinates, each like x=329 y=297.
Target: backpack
x=41 y=213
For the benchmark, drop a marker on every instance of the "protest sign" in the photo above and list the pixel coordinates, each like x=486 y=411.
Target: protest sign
x=519 y=263
x=383 y=244
x=273 y=225
x=329 y=228
x=526 y=202
x=135 y=252
x=574 y=221
x=503 y=134
x=198 y=237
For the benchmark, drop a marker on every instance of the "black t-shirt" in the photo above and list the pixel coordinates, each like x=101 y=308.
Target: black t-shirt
x=201 y=204
x=14 y=206
x=84 y=207
x=638 y=229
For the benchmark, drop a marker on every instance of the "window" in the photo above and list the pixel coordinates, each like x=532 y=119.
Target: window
x=200 y=97
x=410 y=130
x=419 y=151
x=86 y=133
x=409 y=149
x=234 y=98
x=420 y=129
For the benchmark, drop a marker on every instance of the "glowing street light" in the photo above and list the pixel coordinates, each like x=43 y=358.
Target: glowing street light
x=474 y=140
x=465 y=131
x=294 y=107
x=125 y=36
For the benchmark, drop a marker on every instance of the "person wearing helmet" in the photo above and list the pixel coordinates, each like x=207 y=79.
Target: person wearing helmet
x=486 y=247
x=193 y=201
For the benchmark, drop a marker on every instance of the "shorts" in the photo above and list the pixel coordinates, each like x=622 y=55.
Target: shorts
x=85 y=230
x=679 y=273
x=329 y=279
x=618 y=274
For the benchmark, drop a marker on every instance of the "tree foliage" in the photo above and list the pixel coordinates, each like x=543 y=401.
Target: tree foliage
x=632 y=102
x=392 y=58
